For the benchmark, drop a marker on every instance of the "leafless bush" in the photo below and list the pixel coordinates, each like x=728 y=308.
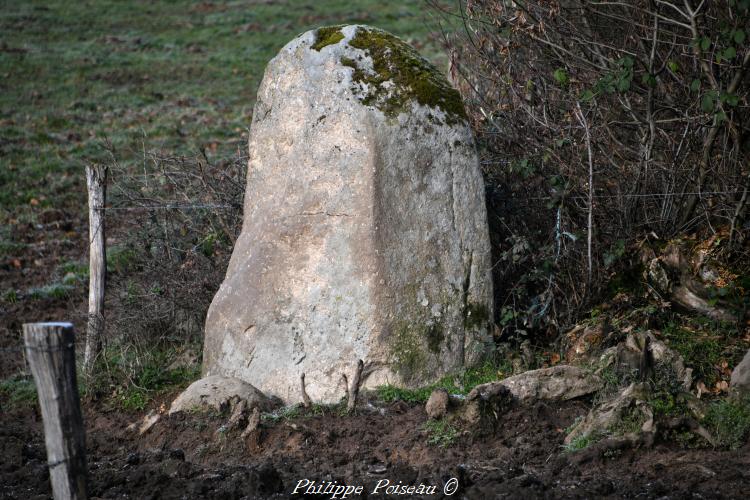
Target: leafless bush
x=604 y=119
x=174 y=221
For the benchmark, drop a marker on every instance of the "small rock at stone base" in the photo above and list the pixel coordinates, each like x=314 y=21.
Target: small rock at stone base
x=437 y=405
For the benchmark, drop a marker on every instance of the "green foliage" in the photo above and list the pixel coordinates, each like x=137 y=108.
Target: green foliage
x=561 y=77
x=389 y=393
x=10 y=296
x=454 y=384
x=18 y=391
x=628 y=279
x=208 y=244
x=708 y=101
x=702 y=343
x=629 y=423
x=667 y=397
x=728 y=421
x=295 y=411
x=53 y=291
x=286 y=413
x=130 y=380
x=120 y=259
x=615 y=253
x=523 y=166
x=440 y=433
x=618 y=79
x=580 y=442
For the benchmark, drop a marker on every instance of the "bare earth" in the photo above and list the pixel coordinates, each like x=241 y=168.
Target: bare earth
x=188 y=456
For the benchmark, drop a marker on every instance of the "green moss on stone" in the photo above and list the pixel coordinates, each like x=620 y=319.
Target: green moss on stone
x=327 y=36
x=435 y=337
x=407 y=351
x=411 y=77
x=476 y=316
x=349 y=62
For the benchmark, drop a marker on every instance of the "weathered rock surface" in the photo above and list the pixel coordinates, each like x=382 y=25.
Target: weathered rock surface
x=689 y=275
x=630 y=405
x=582 y=340
x=364 y=232
x=221 y=393
x=642 y=351
x=560 y=382
x=740 y=380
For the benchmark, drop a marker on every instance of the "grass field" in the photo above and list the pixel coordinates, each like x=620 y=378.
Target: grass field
x=107 y=81
x=175 y=76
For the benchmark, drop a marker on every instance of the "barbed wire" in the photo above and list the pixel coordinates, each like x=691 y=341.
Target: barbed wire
x=37 y=349
x=166 y=207
x=633 y=195
x=204 y=206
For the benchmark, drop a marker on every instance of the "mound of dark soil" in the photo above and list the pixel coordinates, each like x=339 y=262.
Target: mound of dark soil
x=521 y=456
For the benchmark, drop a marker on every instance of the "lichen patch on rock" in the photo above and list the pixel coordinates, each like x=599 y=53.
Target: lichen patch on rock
x=398 y=76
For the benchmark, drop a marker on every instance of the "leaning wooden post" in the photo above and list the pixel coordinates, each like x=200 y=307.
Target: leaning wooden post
x=50 y=351
x=96 y=180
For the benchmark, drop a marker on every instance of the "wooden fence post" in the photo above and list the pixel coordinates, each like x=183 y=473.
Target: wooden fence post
x=50 y=350
x=96 y=181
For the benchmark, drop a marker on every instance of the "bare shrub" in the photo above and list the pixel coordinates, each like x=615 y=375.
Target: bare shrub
x=599 y=123
x=172 y=223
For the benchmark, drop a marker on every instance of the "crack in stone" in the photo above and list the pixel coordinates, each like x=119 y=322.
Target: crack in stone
x=329 y=214
x=467 y=285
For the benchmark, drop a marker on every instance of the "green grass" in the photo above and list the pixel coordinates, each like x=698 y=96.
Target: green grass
x=53 y=291
x=728 y=421
x=454 y=384
x=298 y=411
x=10 y=296
x=703 y=343
x=119 y=259
x=581 y=442
x=440 y=433
x=130 y=381
x=18 y=391
x=175 y=76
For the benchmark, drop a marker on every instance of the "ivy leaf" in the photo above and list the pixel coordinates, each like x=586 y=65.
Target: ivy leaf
x=561 y=77
x=623 y=84
x=673 y=66
x=587 y=95
x=739 y=36
x=729 y=53
x=707 y=103
x=705 y=43
x=695 y=86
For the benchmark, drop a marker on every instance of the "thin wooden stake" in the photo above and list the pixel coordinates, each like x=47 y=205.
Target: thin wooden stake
x=354 y=387
x=50 y=350
x=590 y=225
x=96 y=180
x=305 y=398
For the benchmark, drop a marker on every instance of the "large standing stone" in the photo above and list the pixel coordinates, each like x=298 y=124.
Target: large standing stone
x=740 y=380
x=364 y=233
